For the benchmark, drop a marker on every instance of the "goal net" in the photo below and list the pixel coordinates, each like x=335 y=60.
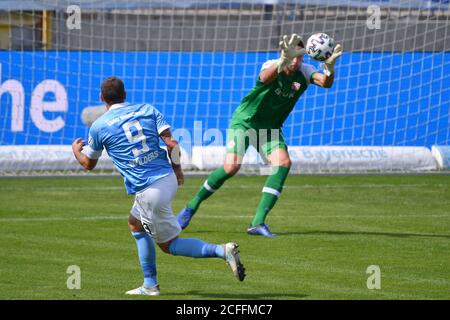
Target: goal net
x=196 y=60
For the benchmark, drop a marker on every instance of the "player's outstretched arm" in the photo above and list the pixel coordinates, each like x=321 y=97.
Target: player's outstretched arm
x=173 y=149
x=328 y=66
x=85 y=161
x=323 y=80
x=326 y=79
x=269 y=74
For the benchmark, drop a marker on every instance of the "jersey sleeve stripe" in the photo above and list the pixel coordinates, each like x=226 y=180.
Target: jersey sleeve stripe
x=91 y=153
x=165 y=127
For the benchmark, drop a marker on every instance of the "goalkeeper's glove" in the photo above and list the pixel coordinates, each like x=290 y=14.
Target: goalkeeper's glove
x=328 y=66
x=289 y=51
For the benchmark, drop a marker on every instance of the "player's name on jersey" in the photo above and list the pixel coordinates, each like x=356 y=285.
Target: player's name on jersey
x=141 y=161
x=124 y=117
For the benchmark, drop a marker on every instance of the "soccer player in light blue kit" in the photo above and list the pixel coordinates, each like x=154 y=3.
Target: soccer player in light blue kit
x=130 y=134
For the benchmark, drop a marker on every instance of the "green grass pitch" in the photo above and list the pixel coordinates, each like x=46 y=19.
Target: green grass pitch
x=331 y=229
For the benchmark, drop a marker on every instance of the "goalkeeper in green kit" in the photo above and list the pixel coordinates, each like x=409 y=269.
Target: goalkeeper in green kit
x=258 y=121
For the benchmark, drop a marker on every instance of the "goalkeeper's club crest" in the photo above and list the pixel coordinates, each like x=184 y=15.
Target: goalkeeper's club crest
x=296 y=86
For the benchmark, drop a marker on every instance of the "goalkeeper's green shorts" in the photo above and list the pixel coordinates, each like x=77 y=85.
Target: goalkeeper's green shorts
x=240 y=137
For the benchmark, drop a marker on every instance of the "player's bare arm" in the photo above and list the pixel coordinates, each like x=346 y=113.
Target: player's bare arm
x=323 y=80
x=269 y=74
x=85 y=161
x=173 y=149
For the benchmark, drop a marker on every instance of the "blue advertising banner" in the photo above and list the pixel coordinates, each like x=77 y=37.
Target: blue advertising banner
x=378 y=99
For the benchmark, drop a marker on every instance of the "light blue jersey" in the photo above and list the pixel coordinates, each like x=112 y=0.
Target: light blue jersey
x=130 y=135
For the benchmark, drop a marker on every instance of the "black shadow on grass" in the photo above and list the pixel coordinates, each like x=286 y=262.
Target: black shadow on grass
x=350 y=233
x=256 y=296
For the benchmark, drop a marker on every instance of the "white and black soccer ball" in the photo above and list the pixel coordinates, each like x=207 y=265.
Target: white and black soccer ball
x=320 y=46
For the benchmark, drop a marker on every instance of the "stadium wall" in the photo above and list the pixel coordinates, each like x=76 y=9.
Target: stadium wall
x=249 y=31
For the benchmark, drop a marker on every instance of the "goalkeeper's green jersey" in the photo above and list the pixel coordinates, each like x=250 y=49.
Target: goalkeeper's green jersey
x=268 y=106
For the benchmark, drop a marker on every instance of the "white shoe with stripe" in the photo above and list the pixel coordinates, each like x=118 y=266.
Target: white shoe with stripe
x=154 y=291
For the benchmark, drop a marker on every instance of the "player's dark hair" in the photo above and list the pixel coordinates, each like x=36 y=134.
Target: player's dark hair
x=113 y=90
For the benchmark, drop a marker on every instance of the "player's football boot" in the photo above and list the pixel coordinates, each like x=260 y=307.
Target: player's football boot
x=154 y=291
x=184 y=217
x=233 y=260
x=261 y=230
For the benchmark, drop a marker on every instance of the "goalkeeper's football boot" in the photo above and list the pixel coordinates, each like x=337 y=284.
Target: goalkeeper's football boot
x=184 y=217
x=261 y=230
x=233 y=260
x=154 y=291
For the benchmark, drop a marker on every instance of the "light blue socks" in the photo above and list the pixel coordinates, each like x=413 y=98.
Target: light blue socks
x=147 y=258
x=195 y=248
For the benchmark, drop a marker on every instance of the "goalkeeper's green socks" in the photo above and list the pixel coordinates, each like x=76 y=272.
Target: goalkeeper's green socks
x=212 y=184
x=270 y=194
